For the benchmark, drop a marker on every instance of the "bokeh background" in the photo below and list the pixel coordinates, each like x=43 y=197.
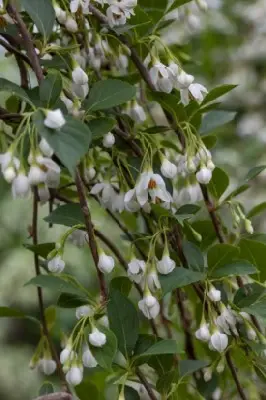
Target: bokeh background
x=226 y=45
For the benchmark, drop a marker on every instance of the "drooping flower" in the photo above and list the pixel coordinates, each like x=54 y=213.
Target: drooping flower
x=54 y=119
x=197 y=90
x=83 y=4
x=71 y=24
x=47 y=366
x=106 y=263
x=116 y=15
x=168 y=169
x=137 y=113
x=84 y=311
x=36 y=175
x=203 y=333
x=218 y=341
x=204 y=175
x=88 y=360
x=214 y=294
x=75 y=375
x=97 y=338
x=149 y=306
x=61 y=15
x=21 y=186
x=45 y=148
x=166 y=265
x=67 y=354
x=153 y=280
x=153 y=186
x=105 y=191
x=136 y=269
x=79 y=76
x=56 y=264
x=108 y=140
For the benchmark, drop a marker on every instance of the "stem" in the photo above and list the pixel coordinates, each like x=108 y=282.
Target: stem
x=234 y=374
x=211 y=210
x=90 y=231
x=40 y=293
x=56 y=396
x=146 y=384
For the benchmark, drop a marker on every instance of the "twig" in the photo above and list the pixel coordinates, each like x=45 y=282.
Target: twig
x=234 y=374
x=146 y=384
x=90 y=231
x=14 y=50
x=211 y=211
x=56 y=396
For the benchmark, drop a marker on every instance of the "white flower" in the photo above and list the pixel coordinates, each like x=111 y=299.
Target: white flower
x=131 y=203
x=136 y=270
x=75 y=4
x=71 y=25
x=168 y=169
x=203 y=333
x=106 y=263
x=5 y=160
x=80 y=91
x=137 y=113
x=56 y=264
x=78 y=238
x=52 y=172
x=66 y=354
x=106 y=192
x=84 y=311
x=184 y=80
x=108 y=140
x=214 y=294
x=217 y=394
x=207 y=374
x=54 y=119
x=204 y=175
x=197 y=90
x=153 y=281
x=47 y=366
x=116 y=15
x=149 y=306
x=165 y=85
x=119 y=202
x=88 y=359
x=36 y=175
x=21 y=186
x=45 y=148
x=97 y=338
x=226 y=320
x=158 y=71
x=251 y=334
x=90 y=173
x=153 y=185
x=9 y=174
x=79 y=76
x=61 y=15
x=43 y=194
x=74 y=376
x=218 y=341
x=166 y=265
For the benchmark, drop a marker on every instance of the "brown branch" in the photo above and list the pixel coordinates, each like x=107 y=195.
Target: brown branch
x=234 y=374
x=90 y=231
x=211 y=210
x=13 y=50
x=5 y=115
x=146 y=384
x=56 y=396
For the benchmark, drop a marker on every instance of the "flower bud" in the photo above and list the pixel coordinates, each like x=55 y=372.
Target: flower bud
x=106 y=263
x=56 y=264
x=166 y=265
x=60 y=14
x=43 y=194
x=9 y=174
x=75 y=375
x=136 y=270
x=218 y=341
x=90 y=173
x=21 y=186
x=97 y=338
x=137 y=113
x=79 y=76
x=203 y=333
x=45 y=148
x=207 y=374
x=214 y=294
x=71 y=25
x=149 y=306
x=47 y=366
x=248 y=226
x=184 y=80
x=220 y=367
x=108 y=140
x=84 y=311
x=204 y=175
x=36 y=175
x=66 y=354
x=88 y=360
x=54 y=119
x=251 y=334
x=168 y=169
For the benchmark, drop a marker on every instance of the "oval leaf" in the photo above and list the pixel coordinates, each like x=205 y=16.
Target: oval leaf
x=239 y=267
x=50 y=89
x=42 y=13
x=68 y=215
x=180 y=277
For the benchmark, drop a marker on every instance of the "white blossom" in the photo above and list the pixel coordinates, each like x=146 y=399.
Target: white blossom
x=21 y=186
x=106 y=192
x=136 y=269
x=97 y=338
x=47 y=366
x=79 y=76
x=214 y=294
x=168 y=169
x=75 y=4
x=9 y=174
x=217 y=394
x=43 y=194
x=153 y=185
x=81 y=91
x=71 y=25
x=204 y=175
x=90 y=173
x=149 y=306
x=158 y=71
x=108 y=140
x=197 y=90
x=106 y=263
x=137 y=113
x=218 y=341
x=56 y=264
x=36 y=175
x=66 y=354
x=88 y=360
x=166 y=265
x=61 y=15
x=203 y=333
x=153 y=281
x=45 y=148
x=84 y=311
x=251 y=334
x=119 y=202
x=75 y=375
x=54 y=119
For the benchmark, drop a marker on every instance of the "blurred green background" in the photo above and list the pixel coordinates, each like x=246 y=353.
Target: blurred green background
x=226 y=45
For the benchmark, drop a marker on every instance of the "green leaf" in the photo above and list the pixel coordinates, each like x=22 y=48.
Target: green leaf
x=178 y=278
x=54 y=283
x=109 y=93
x=188 y=367
x=257 y=309
x=105 y=355
x=144 y=342
x=68 y=215
x=209 y=141
x=124 y=322
x=258 y=209
x=165 y=381
x=70 y=300
x=217 y=92
x=10 y=87
x=87 y=389
x=100 y=126
x=220 y=255
x=46 y=388
x=6 y=312
x=188 y=209
x=70 y=143
x=167 y=346
x=219 y=183
x=121 y=283
x=130 y=393
x=41 y=249
x=50 y=316
x=50 y=89
x=254 y=172
x=193 y=256
x=239 y=267
x=240 y=189
x=216 y=119
x=255 y=252
x=249 y=294
x=42 y=13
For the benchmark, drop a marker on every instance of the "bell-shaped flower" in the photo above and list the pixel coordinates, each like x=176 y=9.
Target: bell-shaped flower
x=83 y=4
x=153 y=280
x=116 y=15
x=214 y=294
x=67 y=354
x=150 y=306
x=204 y=175
x=165 y=85
x=90 y=173
x=79 y=238
x=218 y=341
x=251 y=334
x=21 y=186
x=36 y=174
x=97 y=338
x=71 y=25
x=153 y=186
x=166 y=265
x=75 y=375
x=136 y=269
x=105 y=191
x=106 y=263
x=45 y=148
x=61 y=15
x=54 y=119
x=81 y=91
x=108 y=140
x=79 y=76
x=88 y=360
x=203 y=333
x=47 y=366
x=43 y=193
x=158 y=71
x=137 y=113
x=84 y=311
x=168 y=169
x=119 y=202
x=197 y=90
x=56 y=264
x=131 y=203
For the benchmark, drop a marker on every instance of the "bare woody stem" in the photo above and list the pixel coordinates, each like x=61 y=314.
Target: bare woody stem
x=90 y=231
x=146 y=384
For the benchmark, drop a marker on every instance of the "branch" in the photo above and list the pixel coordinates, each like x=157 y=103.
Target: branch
x=234 y=374
x=90 y=231
x=11 y=49
x=146 y=384
x=211 y=210
x=56 y=396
